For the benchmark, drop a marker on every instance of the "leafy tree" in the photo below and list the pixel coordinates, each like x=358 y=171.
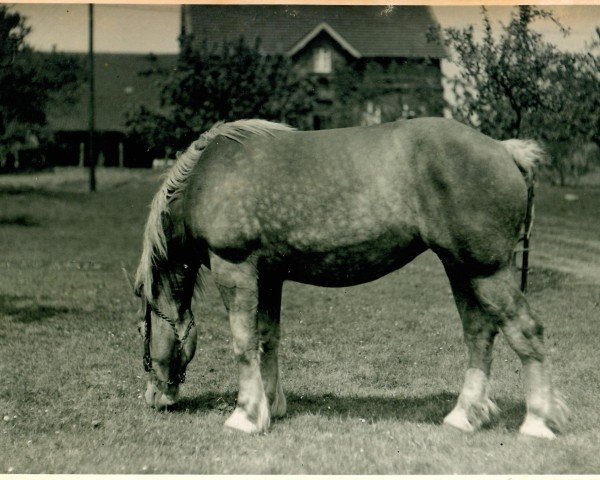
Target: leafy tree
x=516 y=84
x=29 y=82
x=220 y=83
x=572 y=129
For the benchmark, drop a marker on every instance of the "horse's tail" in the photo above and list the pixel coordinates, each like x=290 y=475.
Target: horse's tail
x=528 y=155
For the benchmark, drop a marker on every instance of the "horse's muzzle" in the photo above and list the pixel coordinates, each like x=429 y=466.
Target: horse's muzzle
x=158 y=399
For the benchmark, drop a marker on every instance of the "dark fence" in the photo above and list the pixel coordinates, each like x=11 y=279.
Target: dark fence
x=112 y=149
x=69 y=148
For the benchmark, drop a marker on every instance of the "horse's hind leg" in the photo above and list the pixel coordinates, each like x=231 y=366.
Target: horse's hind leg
x=238 y=285
x=269 y=313
x=474 y=406
x=498 y=298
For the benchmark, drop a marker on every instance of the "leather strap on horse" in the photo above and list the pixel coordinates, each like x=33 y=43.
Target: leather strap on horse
x=527 y=224
x=178 y=340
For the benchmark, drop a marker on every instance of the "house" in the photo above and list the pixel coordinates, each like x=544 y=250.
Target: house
x=390 y=68
x=120 y=87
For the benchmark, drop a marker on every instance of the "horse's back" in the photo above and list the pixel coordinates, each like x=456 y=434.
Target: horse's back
x=419 y=182
x=302 y=185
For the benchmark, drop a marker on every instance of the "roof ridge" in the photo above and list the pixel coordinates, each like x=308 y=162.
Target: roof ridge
x=324 y=27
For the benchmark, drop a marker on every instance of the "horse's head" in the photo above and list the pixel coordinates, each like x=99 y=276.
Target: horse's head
x=169 y=333
x=165 y=282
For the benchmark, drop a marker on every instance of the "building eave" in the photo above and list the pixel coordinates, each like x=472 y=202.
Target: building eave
x=323 y=27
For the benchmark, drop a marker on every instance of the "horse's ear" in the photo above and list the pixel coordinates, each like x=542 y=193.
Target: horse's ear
x=130 y=281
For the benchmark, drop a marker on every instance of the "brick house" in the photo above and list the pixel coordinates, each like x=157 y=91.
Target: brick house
x=384 y=49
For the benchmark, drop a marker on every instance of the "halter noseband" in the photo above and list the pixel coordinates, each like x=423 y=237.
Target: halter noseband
x=179 y=341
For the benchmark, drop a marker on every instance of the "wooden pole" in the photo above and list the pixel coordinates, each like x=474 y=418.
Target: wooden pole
x=81 y=154
x=121 y=155
x=92 y=105
x=182 y=19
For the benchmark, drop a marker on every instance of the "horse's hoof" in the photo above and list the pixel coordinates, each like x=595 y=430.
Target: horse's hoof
x=457 y=418
x=239 y=421
x=469 y=417
x=559 y=413
x=535 y=426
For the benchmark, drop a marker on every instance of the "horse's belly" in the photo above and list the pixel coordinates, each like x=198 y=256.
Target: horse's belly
x=350 y=264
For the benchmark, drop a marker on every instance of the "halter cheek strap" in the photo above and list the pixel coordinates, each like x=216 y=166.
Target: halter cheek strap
x=179 y=342
x=147 y=337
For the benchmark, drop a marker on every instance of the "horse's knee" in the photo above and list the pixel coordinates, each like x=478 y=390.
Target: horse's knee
x=500 y=298
x=526 y=339
x=498 y=295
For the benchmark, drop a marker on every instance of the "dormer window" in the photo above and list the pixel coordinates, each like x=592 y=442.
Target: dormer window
x=322 y=60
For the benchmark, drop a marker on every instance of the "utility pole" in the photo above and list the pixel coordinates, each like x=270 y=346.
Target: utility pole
x=92 y=105
x=182 y=20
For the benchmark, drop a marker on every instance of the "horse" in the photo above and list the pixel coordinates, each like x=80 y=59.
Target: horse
x=258 y=203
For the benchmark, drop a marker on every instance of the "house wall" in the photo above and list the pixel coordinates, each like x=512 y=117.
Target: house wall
x=407 y=87
x=304 y=58
x=396 y=87
x=322 y=117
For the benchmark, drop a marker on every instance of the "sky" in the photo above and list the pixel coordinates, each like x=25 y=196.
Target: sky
x=154 y=28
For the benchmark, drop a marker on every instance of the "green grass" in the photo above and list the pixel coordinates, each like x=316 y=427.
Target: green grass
x=369 y=371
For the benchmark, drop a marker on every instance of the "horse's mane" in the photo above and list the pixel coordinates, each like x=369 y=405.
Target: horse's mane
x=155 y=241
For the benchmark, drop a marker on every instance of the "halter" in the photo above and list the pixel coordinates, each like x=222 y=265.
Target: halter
x=179 y=341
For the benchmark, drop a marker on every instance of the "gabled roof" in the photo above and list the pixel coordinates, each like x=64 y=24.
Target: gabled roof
x=371 y=31
x=324 y=27
x=119 y=88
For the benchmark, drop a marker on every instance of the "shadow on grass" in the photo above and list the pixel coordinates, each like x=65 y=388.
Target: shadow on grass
x=430 y=409
x=426 y=409
x=510 y=417
x=58 y=194
x=19 y=220
x=26 y=310
x=542 y=278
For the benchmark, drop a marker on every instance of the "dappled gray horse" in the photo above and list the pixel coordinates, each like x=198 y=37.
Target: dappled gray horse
x=258 y=203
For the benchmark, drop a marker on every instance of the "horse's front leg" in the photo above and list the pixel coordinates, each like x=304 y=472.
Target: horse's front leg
x=238 y=284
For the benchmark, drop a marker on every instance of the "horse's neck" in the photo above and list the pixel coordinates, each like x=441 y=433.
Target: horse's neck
x=175 y=222
x=172 y=289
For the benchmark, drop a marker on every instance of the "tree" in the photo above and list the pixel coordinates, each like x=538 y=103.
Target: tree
x=515 y=84
x=572 y=129
x=29 y=82
x=221 y=83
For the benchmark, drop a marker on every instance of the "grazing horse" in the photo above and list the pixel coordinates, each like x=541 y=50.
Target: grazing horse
x=258 y=203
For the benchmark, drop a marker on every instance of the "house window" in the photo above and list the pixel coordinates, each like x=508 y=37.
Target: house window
x=322 y=60
x=372 y=114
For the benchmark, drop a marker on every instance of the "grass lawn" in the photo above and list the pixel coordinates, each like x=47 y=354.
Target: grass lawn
x=369 y=371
